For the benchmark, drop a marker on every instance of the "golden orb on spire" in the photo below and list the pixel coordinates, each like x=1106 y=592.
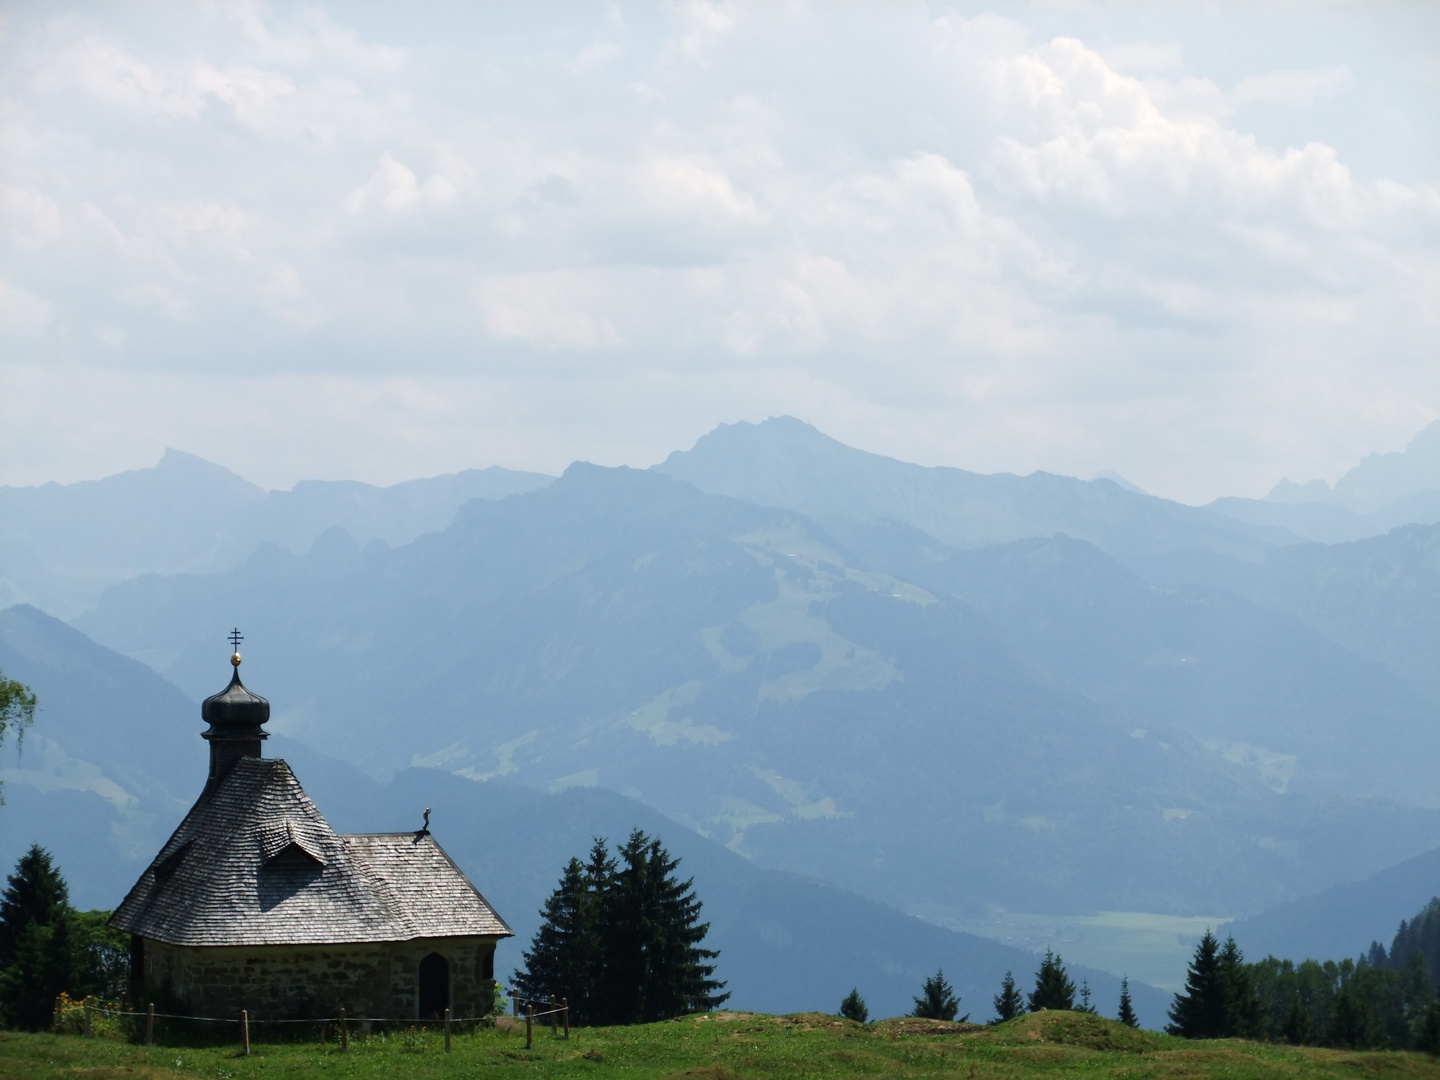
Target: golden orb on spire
x=235 y=659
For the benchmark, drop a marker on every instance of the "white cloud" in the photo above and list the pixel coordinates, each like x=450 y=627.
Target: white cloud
x=856 y=214
x=22 y=312
x=1290 y=87
x=395 y=187
x=554 y=310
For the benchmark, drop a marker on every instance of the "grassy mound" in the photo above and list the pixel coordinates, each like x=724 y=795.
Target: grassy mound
x=1083 y=1029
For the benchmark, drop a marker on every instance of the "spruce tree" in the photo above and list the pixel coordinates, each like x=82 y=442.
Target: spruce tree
x=621 y=940
x=1199 y=1012
x=1127 y=1010
x=34 y=893
x=1085 y=1005
x=1419 y=935
x=937 y=1000
x=653 y=967
x=1053 y=988
x=854 y=1008
x=38 y=954
x=1242 y=1005
x=1008 y=1003
x=564 y=956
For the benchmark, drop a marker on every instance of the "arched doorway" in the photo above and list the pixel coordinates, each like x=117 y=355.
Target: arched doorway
x=434 y=986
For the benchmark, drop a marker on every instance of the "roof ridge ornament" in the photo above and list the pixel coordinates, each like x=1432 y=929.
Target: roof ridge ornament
x=235 y=638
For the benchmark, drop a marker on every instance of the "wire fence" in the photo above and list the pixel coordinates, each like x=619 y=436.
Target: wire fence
x=84 y=1013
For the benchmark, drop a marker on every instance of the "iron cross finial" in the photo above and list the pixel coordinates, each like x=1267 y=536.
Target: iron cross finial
x=236 y=637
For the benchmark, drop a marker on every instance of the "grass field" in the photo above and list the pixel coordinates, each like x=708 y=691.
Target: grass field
x=719 y=1047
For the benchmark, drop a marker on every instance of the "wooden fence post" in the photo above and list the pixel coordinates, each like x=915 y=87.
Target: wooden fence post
x=447 y=1031
x=150 y=1024
x=344 y=1033
x=565 y=1008
x=529 y=1027
x=245 y=1031
x=88 y=999
x=554 y=1019
x=514 y=1002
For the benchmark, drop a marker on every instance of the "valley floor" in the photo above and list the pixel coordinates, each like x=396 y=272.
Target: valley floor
x=719 y=1047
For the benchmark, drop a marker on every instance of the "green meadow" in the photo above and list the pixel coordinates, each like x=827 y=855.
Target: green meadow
x=719 y=1046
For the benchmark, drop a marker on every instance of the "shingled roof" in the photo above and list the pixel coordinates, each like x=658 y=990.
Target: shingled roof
x=255 y=863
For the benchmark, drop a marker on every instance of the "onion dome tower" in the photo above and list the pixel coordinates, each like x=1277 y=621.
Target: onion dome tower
x=236 y=718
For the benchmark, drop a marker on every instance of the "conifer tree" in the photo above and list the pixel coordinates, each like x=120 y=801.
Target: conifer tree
x=564 y=956
x=621 y=940
x=1085 y=1005
x=38 y=953
x=854 y=1008
x=1053 y=988
x=1199 y=1012
x=937 y=1000
x=1008 y=1003
x=1127 y=1010
x=1242 y=1005
x=34 y=893
x=1419 y=935
x=653 y=967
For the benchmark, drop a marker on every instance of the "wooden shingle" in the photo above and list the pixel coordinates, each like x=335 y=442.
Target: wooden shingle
x=255 y=863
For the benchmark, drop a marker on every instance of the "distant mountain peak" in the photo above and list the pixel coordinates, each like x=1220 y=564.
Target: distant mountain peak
x=789 y=464
x=180 y=459
x=1115 y=478
x=771 y=433
x=1288 y=491
x=1379 y=481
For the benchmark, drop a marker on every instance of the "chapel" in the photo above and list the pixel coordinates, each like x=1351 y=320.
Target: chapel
x=255 y=903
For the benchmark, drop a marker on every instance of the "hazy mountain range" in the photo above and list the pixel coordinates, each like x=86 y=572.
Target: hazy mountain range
x=777 y=932
x=62 y=545
x=1380 y=493
x=951 y=694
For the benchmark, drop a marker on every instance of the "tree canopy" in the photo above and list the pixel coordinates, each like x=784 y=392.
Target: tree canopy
x=17 y=709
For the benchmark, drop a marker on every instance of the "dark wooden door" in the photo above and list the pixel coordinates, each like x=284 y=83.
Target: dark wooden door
x=434 y=986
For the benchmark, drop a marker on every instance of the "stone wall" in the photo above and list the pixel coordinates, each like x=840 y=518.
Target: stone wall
x=298 y=981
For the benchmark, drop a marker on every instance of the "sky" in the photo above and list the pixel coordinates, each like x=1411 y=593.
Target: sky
x=1198 y=244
